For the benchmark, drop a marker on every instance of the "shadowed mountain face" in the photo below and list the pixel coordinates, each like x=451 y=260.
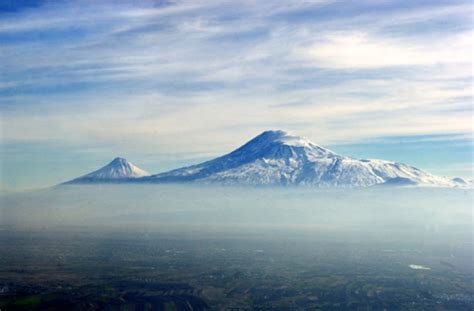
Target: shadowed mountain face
x=278 y=158
x=118 y=170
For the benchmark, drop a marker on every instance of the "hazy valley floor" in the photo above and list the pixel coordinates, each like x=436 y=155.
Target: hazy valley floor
x=197 y=248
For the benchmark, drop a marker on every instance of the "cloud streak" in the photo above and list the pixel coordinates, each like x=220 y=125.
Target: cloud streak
x=174 y=76
x=355 y=50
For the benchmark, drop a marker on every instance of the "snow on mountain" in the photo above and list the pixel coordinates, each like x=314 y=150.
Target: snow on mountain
x=116 y=171
x=278 y=158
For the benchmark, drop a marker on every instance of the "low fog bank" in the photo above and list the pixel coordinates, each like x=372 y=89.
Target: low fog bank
x=419 y=213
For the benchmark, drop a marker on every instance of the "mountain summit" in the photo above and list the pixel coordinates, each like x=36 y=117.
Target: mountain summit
x=118 y=170
x=279 y=158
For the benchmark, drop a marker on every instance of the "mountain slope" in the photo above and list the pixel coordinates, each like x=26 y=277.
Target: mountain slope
x=119 y=170
x=278 y=158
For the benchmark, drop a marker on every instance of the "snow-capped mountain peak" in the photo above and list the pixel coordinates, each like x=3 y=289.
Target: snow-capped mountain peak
x=117 y=170
x=283 y=137
x=279 y=144
x=278 y=158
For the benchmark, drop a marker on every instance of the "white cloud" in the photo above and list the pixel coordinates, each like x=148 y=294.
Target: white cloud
x=164 y=58
x=361 y=50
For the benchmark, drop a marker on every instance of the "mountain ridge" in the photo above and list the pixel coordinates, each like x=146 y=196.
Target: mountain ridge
x=276 y=157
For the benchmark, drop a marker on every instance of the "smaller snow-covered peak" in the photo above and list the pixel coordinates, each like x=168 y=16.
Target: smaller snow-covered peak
x=118 y=169
x=118 y=161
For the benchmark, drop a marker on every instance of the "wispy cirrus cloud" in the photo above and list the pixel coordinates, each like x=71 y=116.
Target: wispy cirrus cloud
x=158 y=75
x=359 y=50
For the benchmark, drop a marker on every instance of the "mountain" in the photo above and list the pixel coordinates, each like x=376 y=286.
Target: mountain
x=279 y=158
x=119 y=170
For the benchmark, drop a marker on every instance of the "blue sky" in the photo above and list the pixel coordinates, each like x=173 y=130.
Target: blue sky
x=168 y=83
